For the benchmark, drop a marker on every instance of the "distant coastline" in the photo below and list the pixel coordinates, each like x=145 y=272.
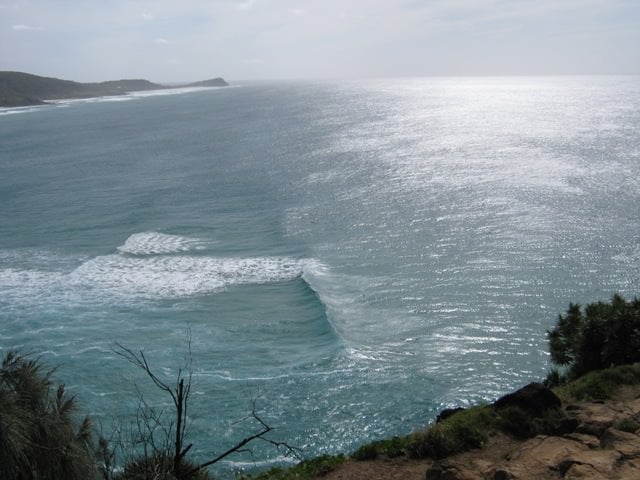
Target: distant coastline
x=19 y=89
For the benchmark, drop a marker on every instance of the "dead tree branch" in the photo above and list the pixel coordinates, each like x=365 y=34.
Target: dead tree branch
x=149 y=420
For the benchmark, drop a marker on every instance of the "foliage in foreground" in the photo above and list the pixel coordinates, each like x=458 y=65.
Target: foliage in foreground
x=41 y=440
x=165 y=446
x=39 y=437
x=390 y=448
x=462 y=431
x=160 y=466
x=316 y=467
x=601 y=384
x=600 y=336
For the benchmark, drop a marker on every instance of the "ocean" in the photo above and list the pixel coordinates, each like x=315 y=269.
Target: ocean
x=348 y=257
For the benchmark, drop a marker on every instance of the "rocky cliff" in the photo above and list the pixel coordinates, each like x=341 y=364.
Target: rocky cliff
x=601 y=441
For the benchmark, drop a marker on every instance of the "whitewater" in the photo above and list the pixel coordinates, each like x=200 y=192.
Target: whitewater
x=349 y=257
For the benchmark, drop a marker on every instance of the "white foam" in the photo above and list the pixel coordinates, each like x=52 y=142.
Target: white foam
x=170 y=91
x=179 y=275
x=154 y=243
x=17 y=110
x=149 y=265
x=11 y=278
x=132 y=95
x=65 y=102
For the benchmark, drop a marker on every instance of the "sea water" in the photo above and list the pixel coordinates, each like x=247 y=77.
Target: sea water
x=346 y=257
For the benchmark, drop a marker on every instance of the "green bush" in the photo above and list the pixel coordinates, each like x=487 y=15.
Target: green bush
x=592 y=387
x=554 y=378
x=315 y=467
x=391 y=448
x=623 y=375
x=516 y=422
x=601 y=384
x=159 y=467
x=601 y=336
x=522 y=424
x=461 y=432
x=366 y=452
x=39 y=437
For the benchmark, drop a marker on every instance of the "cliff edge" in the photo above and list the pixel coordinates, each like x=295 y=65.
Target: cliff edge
x=601 y=442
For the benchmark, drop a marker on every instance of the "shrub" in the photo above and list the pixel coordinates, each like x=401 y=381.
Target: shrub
x=592 y=387
x=315 y=467
x=39 y=437
x=391 y=448
x=601 y=336
x=602 y=384
x=160 y=467
x=554 y=378
x=366 y=452
x=522 y=424
x=515 y=421
x=461 y=432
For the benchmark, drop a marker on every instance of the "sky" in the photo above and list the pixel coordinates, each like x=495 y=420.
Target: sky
x=189 y=40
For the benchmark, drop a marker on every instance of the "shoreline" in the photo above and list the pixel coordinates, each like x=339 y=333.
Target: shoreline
x=19 y=89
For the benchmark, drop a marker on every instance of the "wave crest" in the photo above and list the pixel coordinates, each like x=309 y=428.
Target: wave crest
x=156 y=243
x=178 y=276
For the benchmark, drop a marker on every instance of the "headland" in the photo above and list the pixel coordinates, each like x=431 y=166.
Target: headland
x=19 y=89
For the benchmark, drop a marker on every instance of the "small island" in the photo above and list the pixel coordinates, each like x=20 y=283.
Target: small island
x=19 y=89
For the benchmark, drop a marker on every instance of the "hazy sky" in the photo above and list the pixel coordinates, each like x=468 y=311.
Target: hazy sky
x=184 y=40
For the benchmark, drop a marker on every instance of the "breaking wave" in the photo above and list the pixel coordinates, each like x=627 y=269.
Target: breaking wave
x=152 y=265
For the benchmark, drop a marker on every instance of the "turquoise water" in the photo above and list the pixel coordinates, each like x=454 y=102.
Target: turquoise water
x=352 y=256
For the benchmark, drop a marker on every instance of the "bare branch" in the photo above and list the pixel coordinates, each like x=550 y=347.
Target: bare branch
x=173 y=433
x=266 y=428
x=140 y=361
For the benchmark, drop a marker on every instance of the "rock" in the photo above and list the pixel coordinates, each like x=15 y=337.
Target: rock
x=450 y=471
x=627 y=444
x=590 y=441
x=544 y=457
x=540 y=456
x=629 y=470
x=634 y=407
x=483 y=466
x=502 y=474
x=604 y=461
x=434 y=472
x=582 y=472
x=594 y=418
x=534 y=398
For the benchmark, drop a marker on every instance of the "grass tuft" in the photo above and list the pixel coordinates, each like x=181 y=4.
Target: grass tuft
x=600 y=384
x=390 y=448
x=316 y=467
x=462 y=431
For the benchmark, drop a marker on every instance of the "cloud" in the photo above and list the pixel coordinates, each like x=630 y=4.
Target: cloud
x=307 y=39
x=246 y=5
x=21 y=27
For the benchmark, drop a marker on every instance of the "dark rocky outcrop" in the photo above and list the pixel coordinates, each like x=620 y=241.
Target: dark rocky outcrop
x=534 y=398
